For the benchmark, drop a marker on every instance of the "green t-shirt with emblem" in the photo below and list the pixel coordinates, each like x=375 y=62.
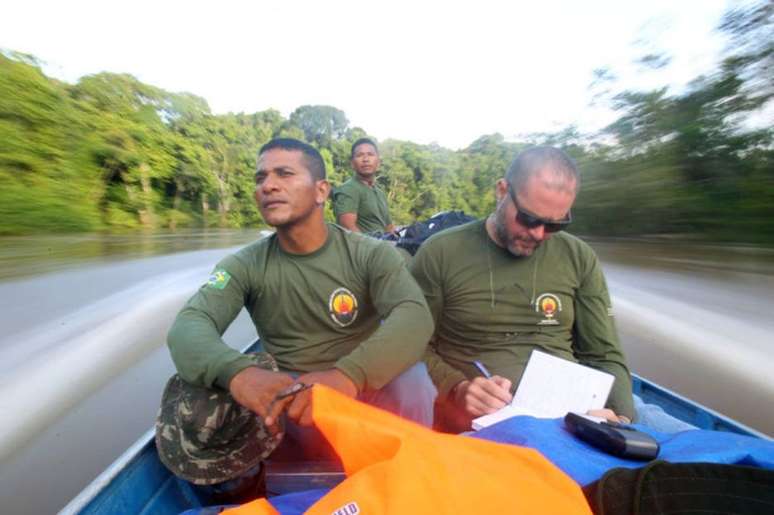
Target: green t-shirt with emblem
x=369 y=203
x=495 y=307
x=352 y=305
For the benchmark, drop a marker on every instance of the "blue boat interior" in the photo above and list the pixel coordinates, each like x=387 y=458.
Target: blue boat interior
x=139 y=482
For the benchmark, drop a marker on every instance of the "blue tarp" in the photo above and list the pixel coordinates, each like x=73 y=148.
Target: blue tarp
x=585 y=463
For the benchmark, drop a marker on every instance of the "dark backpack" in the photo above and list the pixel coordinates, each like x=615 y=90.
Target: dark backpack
x=673 y=488
x=412 y=236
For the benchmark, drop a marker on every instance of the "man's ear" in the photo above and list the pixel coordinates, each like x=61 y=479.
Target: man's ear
x=501 y=189
x=323 y=188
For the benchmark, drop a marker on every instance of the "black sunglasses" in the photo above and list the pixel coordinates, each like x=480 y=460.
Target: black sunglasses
x=530 y=220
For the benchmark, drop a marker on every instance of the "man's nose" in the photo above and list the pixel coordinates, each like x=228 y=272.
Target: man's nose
x=268 y=184
x=539 y=233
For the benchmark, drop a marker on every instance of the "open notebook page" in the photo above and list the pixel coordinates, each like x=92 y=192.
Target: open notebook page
x=551 y=387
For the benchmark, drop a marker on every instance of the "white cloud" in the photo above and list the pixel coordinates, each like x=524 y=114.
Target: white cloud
x=425 y=71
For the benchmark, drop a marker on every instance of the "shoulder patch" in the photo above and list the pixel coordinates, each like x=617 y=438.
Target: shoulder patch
x=218 y=279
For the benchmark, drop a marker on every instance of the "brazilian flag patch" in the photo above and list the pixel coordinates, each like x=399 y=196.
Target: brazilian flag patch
x=219 y=279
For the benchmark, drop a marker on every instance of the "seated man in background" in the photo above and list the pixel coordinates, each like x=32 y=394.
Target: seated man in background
x=359 y=204
x=331 y=307
x=501 y=287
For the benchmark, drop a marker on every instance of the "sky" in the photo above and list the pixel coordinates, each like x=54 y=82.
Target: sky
x=426 y=71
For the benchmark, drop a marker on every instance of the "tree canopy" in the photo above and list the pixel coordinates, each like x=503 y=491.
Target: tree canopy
x=112 y=153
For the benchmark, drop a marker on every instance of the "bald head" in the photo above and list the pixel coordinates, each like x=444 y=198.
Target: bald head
x=558 y=169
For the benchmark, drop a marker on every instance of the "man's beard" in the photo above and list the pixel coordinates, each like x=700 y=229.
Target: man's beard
x=508 y=241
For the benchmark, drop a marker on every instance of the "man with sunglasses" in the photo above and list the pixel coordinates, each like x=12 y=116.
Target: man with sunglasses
x=502 y=287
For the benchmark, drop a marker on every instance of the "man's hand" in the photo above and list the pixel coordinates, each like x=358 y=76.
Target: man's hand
x=255 y=389
x=608 y=414
x=483 y=396
x=300 y=410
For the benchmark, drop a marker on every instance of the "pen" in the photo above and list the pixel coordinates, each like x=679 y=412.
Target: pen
x=290 y=391
x=481 y=368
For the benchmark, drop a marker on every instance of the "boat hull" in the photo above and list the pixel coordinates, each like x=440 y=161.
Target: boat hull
x=138 y=483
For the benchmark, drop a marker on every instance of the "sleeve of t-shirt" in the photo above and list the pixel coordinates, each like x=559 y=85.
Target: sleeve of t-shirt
x=344 y=201
x=389 y=217
x=596 y=339
x=195 y=339
x=401 y=338
x=426 y=269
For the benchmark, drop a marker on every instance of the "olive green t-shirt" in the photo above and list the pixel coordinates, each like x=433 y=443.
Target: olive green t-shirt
x=352 y=305
x=369 y=203
x=491 y=306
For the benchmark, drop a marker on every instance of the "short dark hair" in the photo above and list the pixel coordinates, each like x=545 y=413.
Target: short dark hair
x=312 y=158
x=362 y=141
x=532 y=160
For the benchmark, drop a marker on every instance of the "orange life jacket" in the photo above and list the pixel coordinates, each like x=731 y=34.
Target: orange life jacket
x=397 y=466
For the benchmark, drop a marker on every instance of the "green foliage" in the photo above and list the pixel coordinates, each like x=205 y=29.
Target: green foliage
x=113 y=153
x=320 y=124
x=688 y=163
x=46 y=179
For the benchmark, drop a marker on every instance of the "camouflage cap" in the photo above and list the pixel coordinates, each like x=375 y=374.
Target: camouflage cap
x=204 y=436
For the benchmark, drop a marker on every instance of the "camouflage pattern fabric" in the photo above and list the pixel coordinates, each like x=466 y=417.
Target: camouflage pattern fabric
x=204 y=436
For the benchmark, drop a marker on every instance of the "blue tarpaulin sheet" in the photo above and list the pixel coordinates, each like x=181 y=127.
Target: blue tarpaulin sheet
x=585 y=463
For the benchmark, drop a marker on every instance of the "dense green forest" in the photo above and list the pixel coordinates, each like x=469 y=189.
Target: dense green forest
x=112 y=153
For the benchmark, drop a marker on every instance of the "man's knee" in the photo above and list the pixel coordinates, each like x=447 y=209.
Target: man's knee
x=410 y=395
x=204 y=436
x=413 y=385
x=654 y=417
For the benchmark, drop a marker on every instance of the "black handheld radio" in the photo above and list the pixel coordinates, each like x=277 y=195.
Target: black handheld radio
x=613 y=439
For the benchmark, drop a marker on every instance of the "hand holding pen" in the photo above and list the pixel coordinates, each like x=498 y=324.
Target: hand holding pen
x=481 y=368
x=287 y=393
x=257 y=389
x=483 y=394
x=299 y=410
x=283 y=400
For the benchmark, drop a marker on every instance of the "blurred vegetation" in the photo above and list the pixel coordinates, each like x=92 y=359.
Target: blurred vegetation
x=112 y=153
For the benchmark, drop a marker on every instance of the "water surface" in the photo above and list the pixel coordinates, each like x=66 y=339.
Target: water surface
x=83 y=360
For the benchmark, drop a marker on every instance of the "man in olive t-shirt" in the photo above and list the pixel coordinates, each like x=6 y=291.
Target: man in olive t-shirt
x=501 y=287
x=331 y=307
x=359 y=204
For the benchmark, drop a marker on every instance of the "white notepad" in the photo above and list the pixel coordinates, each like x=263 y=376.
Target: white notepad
x=551 y=387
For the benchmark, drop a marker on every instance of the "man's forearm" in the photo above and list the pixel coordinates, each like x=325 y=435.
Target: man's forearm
x=348 y=221
x=620 y=399
x=444 y=376
x=200 y=355
x=397 y=344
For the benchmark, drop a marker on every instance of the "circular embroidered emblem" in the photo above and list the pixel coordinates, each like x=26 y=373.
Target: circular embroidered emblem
x=548 y=305
x=342 y=306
